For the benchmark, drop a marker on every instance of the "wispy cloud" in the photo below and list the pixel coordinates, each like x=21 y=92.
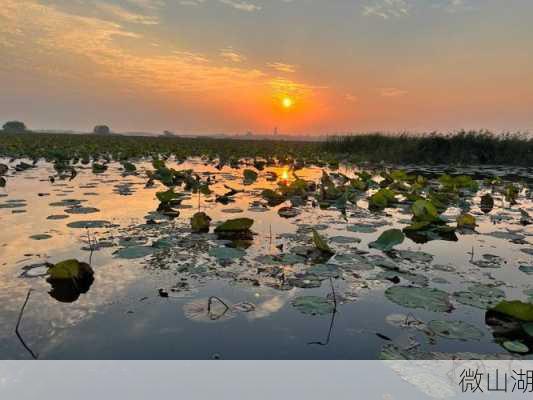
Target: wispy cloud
x=282 y=67
x=241 y=5
x=232 y=55
x=46 y=32
x=121 y=14
x=391 y=92
x=351 y=98
x=387 y=9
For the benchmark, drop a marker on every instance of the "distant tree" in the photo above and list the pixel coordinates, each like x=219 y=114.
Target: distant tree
x=14 y=127
x=168 y=134
x=101 y=130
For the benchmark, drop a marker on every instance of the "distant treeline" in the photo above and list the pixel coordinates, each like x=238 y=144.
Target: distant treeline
x=474 y=147
x=454 y=149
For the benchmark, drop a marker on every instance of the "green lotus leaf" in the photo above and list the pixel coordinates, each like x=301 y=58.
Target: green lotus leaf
x=458 y=330
x=388 y=239
x=424 y=298
x=516 y=309
x=235 y=225
x=321 y=243
x=200 y=222
x=313 y=305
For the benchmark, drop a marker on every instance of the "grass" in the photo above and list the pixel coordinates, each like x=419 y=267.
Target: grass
x=463 y=148
x=474 y=147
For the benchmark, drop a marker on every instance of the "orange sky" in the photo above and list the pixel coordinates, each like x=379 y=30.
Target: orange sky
x=210 y=66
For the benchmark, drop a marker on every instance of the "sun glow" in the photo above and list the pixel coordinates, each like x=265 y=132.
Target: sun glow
x=287 y=102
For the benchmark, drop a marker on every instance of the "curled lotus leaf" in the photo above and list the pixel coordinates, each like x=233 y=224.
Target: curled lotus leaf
x=321 y=243
x=200 y=222
x=387 y=240
x=516 y=309
x=235 y=225
x=487 y=203
x=466 y=221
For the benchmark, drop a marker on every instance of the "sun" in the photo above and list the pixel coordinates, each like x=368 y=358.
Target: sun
x=287 y=102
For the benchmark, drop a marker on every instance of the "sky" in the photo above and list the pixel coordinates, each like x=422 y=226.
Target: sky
x=233 y=66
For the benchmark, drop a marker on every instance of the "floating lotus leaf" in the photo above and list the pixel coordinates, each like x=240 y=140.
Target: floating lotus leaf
x=526 y=269
x=514 y=346
x=57 y=217
x=223 y=253
x=325 y=270
x=41 y=236
x=415 y=297
x=82 y=210
x=133 y=252
x=458 y=330
x=416 y=279
x=129 y=167
x=89 y=224
x=272 y=197
x=288 y=212
x=387 y=240
x=306 y=280
x=200 y=222
x=99 y=168
x=415 y=256
x=344 y=239
x=480 y=296
x=66 y=203
x=361 y=228
x=250 y=176
x=516 y=309
x=313 y=305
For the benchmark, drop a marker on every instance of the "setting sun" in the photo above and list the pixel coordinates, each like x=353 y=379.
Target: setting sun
x=287 y=102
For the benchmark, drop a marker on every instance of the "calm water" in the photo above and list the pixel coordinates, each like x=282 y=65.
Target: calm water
x=122 y=315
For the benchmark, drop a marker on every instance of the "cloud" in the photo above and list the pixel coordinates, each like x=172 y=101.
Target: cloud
x=282 y=67
x=191 y=2
x=231 y=55
x=387 y=9
x=351 y=98
x=33 y=36
x=241 y=5
x=392 y=92
x=123 y=15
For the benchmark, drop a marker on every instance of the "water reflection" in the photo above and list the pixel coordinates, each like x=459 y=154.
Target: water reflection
x=134 y=258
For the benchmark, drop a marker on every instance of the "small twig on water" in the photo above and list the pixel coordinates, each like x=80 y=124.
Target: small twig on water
x=334 y=295
x=210 y=301
x=91 y=248
x=333 y=314
x=21 y=313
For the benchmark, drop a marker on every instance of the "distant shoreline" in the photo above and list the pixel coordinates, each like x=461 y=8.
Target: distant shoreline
x=463 y=148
